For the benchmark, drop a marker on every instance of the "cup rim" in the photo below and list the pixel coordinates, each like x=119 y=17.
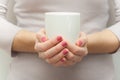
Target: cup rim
x=62 y=13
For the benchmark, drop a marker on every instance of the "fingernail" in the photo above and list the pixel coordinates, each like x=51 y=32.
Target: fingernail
x=80 y=43
x=43 y=39
x=65 y=52
x=59 y=38
x=64 y=44
x=62 y=60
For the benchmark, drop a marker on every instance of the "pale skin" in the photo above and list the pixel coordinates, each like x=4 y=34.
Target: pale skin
x=55 y=50
x=60 y=52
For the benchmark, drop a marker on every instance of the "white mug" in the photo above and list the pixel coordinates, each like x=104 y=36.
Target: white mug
x=66 y=24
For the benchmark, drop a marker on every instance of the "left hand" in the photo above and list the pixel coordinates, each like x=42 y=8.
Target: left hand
x=76 y=52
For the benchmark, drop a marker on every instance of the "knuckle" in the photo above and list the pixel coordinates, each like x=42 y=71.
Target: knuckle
x=38 y=35
x=39 y=47
x=61 y=56
x=49 y=61
x=57 y=49
x=51 y=42
x=76 y=51
x=42 y=49
x=85 y=52
x=84 y=39
x=35 y=47
x=46 y=55
x=71 y=57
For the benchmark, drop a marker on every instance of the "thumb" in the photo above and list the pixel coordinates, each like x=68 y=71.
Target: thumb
x=82 y=40
x=41 y=35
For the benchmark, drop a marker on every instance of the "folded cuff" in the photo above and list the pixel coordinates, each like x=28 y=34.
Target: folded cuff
x=116 y=30
x=7 y=34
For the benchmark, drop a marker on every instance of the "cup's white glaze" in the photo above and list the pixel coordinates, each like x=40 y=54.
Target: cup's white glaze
x=66 y=24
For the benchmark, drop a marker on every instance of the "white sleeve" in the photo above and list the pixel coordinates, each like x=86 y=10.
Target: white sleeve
x=116 y=27
x=7 y=29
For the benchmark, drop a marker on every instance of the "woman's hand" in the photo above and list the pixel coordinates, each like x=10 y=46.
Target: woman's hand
x=76 y=51
x=58 y=52
x=52 y=50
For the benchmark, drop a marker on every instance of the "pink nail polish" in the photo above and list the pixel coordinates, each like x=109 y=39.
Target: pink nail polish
x=62 y=60
x=64 y=44
x=43 y=39
x=80 y=43
x=59 y=38
x=65 y=52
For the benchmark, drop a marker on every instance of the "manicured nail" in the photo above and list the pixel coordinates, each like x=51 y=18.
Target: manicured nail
x=64 y=44
x=62 y=60
x=43 y=39
x=80 y=43
x=65 y=52
x=59 y=38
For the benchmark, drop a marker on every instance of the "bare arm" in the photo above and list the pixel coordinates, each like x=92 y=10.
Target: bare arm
x=102 y=42
x=24 y=41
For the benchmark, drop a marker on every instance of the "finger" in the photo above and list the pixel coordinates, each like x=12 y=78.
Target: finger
x=36 y=47
x=39 y=55
x=68 y=63
x=41 y=35
x=55 y=50
x=76 y=49
x=48 y=44
x=62 y=62
x=73 y=58
x=82 y=41
x=58 y=57
x=73 y=48
x=82 y=52
x=70 y=56
x=65 y=62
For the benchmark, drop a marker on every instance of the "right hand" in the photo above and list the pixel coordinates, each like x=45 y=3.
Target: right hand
x=52 y=50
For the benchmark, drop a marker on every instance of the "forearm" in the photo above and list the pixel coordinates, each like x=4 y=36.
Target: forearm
x=102 y=42
x=24 y=41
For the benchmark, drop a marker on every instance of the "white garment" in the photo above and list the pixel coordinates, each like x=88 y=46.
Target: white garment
x=30 y=16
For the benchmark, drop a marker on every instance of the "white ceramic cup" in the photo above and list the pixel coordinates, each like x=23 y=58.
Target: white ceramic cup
x=66 y=24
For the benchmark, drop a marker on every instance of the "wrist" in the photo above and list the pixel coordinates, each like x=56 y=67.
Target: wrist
x=24 y=41
x=102 y=42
